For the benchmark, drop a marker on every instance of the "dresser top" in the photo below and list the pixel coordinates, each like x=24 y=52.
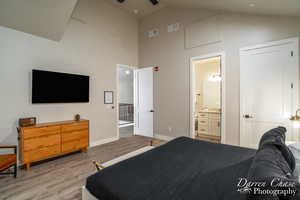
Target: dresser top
x=55 y=123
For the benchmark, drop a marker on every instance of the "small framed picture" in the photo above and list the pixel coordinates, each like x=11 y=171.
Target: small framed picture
x=108 y=97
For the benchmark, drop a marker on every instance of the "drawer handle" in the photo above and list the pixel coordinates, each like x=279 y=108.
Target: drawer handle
x=202 y=121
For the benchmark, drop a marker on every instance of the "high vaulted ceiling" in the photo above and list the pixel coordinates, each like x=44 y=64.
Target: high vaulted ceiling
x=45 y=18
x=264 y=7
x=49 y=18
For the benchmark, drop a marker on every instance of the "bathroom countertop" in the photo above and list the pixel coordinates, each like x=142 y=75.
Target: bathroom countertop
x=210 y=111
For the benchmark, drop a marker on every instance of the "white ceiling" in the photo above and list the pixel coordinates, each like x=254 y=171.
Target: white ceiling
x=49 y=18
x=46 y=18
x=264 y=7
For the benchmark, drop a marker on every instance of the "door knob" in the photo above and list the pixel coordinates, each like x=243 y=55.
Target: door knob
x=152 y=111
x=247 y=116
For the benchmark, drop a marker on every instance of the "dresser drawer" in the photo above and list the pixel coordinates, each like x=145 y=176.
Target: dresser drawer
x=41 y=142
x=77 y=126
x=203 y=115
x=74 y=145
x=74 y=135
x=41 y=153
x=37 y=132
x=203 y=121
x=203 y=129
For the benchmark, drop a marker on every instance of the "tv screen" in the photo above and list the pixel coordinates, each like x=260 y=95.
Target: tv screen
x=54 y=87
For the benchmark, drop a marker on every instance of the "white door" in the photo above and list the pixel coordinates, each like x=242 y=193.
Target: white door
x=144 y=102
x=268 y=90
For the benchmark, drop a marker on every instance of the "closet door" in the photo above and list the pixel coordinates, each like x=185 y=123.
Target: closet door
x=268 y=90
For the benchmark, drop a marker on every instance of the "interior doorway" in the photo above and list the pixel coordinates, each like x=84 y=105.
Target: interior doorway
x=207 y=98
x=135 y=101
x=125 y=100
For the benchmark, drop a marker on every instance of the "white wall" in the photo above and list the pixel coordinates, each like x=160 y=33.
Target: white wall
x=108 y=36
x=45 y=18
x=170 y=51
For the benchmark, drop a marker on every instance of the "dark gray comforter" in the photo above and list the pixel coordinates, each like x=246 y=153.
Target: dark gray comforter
x=181 y=169
x=187 y=169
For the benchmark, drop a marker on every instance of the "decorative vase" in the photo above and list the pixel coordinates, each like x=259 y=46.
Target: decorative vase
x=77 y=117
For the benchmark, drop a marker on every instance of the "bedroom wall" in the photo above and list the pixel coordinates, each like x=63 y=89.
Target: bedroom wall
x=172 y=52
x=100 y=37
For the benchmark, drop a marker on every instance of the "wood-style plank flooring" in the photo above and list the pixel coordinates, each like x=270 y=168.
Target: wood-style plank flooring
x=63 y=178
x=209 y=138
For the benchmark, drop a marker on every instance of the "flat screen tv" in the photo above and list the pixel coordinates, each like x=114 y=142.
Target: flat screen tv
x=55 y=87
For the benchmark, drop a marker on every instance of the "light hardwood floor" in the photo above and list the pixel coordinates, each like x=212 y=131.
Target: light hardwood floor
x=63 y=178
x=126 y=131
x=208 y=138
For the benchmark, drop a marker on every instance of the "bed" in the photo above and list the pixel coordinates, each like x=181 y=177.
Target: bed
x=182 y=169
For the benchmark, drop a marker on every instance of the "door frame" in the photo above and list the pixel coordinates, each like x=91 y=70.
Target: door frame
x=295 y=42
x=117 y=94
x=223 y=93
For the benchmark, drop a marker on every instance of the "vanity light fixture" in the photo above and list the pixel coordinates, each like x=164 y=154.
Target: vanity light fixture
x=215 y=78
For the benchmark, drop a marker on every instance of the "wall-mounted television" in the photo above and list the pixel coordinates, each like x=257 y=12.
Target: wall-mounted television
x=55 y=87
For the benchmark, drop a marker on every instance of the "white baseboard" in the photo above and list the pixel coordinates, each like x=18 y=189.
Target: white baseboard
x=163 y=137
x=103 y=141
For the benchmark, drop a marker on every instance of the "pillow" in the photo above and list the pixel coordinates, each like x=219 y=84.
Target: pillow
x=273 y=161
x=276 y=137
x=268 y=165
x=295 y=149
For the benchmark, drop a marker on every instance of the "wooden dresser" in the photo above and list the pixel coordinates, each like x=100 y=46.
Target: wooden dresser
x=48 y=140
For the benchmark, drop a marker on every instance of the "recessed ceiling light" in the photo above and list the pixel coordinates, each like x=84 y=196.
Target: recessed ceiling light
x=252 y=5
x=136 y=11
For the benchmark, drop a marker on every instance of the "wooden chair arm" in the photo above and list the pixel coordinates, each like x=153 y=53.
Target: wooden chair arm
x=98 y=165
x=8 y=147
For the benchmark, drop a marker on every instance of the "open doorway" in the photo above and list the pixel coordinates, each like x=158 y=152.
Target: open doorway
x=207 y=98
x=125 y=100
x=135 y=101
